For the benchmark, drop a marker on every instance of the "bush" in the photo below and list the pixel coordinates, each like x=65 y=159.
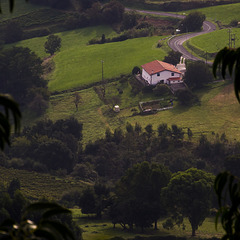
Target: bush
x=161 y=90
x=186 y=97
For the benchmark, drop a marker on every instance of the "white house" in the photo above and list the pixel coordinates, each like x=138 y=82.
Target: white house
x=161 y=72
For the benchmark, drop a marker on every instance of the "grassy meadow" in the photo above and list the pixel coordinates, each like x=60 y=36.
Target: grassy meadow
x=79 y=64
x=223 y=13
x=102 y=229
x=214 y=41
x=219 y=112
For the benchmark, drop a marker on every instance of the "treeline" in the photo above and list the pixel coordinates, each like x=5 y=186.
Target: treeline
x=175 y=6
x=146 y=193
x=55 y=147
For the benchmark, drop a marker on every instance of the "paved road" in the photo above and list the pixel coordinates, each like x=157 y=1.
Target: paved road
x=176 y=42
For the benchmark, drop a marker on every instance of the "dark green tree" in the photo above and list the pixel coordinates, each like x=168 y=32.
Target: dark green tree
x=138 y=195
x=189 y=194
x=136 y=70
x=173 y=57
x=129 y=20
x=113 y=12
x=53 y=44
x=21 y=70
x=192 y=22
x=197 y=75
x=186 y=97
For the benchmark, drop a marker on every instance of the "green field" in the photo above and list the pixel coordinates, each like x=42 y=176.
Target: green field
x=223 y=13
x=212 y=42
x=102 y=229
x=219 y=112
x=79 y=64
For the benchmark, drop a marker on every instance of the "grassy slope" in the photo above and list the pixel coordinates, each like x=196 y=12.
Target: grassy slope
x=35 y=185
x=219 y=112
x=214 y=41
x=78 y=64
x=224 y=13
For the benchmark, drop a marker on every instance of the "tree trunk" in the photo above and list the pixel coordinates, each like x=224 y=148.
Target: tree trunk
x=155 y=225
x=193 y=232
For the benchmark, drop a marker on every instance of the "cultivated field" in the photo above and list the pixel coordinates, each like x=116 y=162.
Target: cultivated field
x=38 y=185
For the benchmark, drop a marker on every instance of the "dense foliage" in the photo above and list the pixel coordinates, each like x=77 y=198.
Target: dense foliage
x=53 y=44
x=21 y=76
x=189 y=194
x=192 y=22
x=197 y=75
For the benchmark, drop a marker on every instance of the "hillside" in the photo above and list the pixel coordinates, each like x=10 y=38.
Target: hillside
x=76 y=60
x=36 y=185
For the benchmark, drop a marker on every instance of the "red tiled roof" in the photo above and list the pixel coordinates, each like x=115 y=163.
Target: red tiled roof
x=174 y=79
x=159 y=66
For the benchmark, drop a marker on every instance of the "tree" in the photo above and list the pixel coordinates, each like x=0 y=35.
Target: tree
x=138 y=198
x=173 y=57
x=189 y=194
x=136 y=70
x=186 y=97
x=197 y=75
x=53 y=44
x=192 y=22
x=162 y=90
x=129 y=20
x=21 y=71
x=113 y=12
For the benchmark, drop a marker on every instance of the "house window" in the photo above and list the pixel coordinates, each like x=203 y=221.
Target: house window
x=172 y=74
x=158 y=74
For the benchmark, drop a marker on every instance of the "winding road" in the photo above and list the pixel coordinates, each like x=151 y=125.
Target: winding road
x=176 y=42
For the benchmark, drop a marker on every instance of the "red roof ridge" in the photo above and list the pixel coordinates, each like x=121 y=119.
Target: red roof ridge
x=159 y=66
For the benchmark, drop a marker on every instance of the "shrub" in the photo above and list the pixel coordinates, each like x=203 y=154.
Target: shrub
x=161 y=90
x=186 y=97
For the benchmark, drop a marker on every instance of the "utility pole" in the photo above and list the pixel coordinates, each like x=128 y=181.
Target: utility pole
x=103 y=84
x=229 y=38
x=233 y=39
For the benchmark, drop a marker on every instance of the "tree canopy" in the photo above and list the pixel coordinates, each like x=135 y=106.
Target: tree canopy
x=189 y=194
x=197 y=75
x=192 y=22
x=139 y=195
x=53 y=44
x=21 y=71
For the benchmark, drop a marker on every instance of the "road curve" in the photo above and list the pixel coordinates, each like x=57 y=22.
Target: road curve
x=176 y=42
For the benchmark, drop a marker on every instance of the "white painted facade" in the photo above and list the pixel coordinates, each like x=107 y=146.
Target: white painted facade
x=161 y=77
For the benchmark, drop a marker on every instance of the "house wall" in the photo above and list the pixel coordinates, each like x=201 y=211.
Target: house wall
x=174 y=81
x=154 y=79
